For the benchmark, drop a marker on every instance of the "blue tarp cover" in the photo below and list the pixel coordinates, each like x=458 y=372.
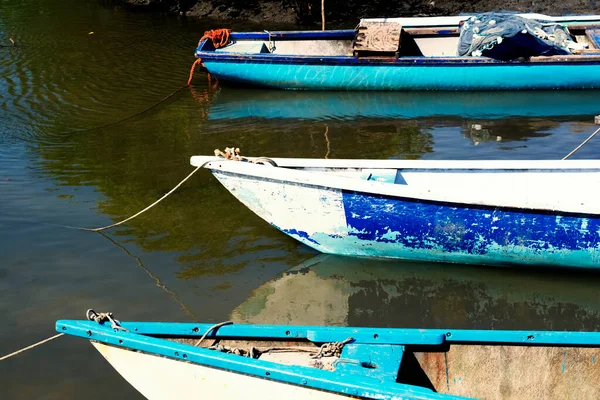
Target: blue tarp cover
x=505 y=36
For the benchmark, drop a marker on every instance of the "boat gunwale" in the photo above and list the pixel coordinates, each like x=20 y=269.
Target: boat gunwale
x=423 y=61
x=308 y=377
x=383 y=189
x=360 y=334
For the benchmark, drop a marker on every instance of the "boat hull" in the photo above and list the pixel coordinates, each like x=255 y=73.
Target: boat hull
x=354 y=223
x=163 y=378
x=444 y=75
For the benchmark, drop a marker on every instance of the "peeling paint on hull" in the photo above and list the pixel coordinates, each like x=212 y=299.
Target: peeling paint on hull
x=365 y=224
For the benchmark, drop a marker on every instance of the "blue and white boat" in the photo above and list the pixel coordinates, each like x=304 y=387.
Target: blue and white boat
x=230 y=361
x=543 y=213
x=426 y=59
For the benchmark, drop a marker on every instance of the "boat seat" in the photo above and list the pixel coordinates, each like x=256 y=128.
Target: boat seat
x=245 y=46
x=376 y=39
x=383 y=175
x=377 y=361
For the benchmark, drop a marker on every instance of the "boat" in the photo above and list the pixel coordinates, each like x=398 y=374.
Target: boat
x=165 y=360
x=513 y=212
x=409 y=54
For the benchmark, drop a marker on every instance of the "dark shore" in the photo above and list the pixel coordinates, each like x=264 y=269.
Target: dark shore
x=349 y=11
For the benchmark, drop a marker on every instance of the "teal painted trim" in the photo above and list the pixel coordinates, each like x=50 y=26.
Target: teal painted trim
x=296 y=375
x=496 y=76
x=399 y=336
x=374 y=360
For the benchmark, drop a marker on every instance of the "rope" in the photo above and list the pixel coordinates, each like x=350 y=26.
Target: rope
x=260 y=160
x=126 y=118
x=332 y=349
x=581 y=145
x=105 y=316
x=138 y=213
x=220 y=324
x=31 y=347
x=194 y=65
x=147 y=208
x=231 y=155
x=219 y=37
x=151 y=275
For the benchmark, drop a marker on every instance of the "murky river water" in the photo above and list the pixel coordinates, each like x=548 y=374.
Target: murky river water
x=200 y=255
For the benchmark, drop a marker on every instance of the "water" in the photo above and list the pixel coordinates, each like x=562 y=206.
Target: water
x=200 y=255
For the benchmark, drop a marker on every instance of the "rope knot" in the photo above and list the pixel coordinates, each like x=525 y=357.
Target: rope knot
x=219 y=37
x=332 y=349
x=103 y=317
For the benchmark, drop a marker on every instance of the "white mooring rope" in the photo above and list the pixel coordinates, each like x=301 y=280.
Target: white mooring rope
x=31 y=347
x=581 y=145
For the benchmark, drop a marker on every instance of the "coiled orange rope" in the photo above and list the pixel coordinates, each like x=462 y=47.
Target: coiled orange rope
x=219 y=38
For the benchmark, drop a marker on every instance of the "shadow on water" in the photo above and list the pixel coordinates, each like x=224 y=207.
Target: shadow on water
x=334 y=290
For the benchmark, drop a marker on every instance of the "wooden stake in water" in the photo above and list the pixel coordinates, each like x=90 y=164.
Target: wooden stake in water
x=322 y=15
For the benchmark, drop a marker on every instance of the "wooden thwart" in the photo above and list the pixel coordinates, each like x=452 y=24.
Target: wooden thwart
x=377 y=38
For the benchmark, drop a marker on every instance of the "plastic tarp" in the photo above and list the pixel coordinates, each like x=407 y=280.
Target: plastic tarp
x=505 y=36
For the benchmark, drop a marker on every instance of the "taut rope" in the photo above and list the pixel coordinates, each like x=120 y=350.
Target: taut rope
x=31 y=347
x=581 y=145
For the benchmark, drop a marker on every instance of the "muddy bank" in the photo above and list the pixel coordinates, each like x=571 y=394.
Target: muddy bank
x=349 y=11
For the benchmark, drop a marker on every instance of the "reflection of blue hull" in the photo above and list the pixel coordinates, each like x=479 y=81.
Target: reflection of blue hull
x=231 y=104
x=407 y=75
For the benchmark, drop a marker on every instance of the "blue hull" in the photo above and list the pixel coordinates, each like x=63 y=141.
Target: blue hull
x=379 y=226
x=414 y=74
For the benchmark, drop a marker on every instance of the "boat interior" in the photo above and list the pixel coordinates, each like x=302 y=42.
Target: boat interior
x=408 y=42
x=472 y=370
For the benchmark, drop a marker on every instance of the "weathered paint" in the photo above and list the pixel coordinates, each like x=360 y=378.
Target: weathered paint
x=513 y=372
x=162 y=378
x=391 y=227
x=344 y=222
x=276 y=375
x=488 y=364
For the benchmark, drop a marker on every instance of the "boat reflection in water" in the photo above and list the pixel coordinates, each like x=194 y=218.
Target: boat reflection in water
x=231 y=103
x=335 y=290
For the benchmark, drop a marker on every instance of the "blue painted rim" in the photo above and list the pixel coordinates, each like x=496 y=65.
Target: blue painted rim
x=360 y=386
x=294 y=375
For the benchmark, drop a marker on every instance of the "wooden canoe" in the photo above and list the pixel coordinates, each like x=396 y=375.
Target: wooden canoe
x=163 y=361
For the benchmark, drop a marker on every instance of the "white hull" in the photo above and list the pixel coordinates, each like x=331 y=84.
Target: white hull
x=163 y=378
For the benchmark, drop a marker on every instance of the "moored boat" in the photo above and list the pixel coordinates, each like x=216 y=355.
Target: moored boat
x=414 y=54
x=230 y=361
x=540 y=213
